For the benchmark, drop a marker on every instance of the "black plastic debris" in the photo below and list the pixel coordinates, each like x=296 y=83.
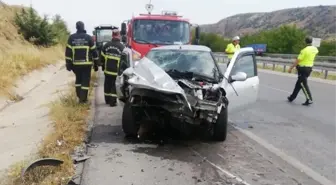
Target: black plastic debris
x=42 y=162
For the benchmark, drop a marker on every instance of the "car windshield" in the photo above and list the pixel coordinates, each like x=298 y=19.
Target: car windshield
x=198 y=62
x=104 y=35
x=161 y=31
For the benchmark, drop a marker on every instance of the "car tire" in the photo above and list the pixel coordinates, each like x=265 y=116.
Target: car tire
x=129 y=124
x=220 y=127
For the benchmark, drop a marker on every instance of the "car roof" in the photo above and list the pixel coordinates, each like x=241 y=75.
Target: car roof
x=183 y=47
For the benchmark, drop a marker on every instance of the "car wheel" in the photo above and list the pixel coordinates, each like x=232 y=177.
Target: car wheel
x=220 y=127
x=129 y=125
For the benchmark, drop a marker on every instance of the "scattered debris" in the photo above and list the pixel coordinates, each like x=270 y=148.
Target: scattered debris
x=81 y=159
x=71 y=182
x=42 y=162
x=75 y=180
x=90 y=145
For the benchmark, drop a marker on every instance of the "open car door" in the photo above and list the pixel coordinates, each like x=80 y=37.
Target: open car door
x=242 y=81
x=125 y=63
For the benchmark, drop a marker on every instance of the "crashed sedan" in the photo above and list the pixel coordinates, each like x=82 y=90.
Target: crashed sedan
x=182 y=85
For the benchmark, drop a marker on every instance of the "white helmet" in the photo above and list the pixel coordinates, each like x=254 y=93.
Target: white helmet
x=235 y=38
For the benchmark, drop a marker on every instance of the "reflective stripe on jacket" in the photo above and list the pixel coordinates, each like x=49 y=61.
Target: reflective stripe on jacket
x=110 y=56
x=80 y=49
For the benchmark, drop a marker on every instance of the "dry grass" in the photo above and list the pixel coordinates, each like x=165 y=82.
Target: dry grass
x=17 y=56
x=70 y=126
x=315 y=74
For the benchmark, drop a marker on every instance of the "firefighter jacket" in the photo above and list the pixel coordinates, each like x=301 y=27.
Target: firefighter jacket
x=110 y=56
x=81 y=49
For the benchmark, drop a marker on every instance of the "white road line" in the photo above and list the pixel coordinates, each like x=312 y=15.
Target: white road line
x=276 y=89
x=313 y=79
x=290 y=160
x=227 y=173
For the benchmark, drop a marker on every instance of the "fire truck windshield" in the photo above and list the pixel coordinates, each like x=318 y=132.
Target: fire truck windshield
x=161 y=31
x=104 y=35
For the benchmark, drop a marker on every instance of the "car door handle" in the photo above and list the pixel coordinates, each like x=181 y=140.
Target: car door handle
x=254 y=85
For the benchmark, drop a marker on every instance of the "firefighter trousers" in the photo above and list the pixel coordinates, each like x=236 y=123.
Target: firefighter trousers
x=302 y=83
x=110 y=89
x=82 y=83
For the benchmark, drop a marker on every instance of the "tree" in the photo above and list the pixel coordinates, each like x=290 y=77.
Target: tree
x=286 y=39
x=38 y=30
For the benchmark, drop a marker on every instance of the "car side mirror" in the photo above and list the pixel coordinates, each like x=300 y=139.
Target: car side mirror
x=124 y=39
x=128 y=71
x=197 y=35
x=123 y=29
x=239 y=76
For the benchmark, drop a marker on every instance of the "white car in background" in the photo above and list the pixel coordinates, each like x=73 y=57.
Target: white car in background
x=181 y=85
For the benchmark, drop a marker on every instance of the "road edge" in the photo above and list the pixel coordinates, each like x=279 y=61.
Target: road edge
x=90 y=122
x=283 y=156
x=5 y=102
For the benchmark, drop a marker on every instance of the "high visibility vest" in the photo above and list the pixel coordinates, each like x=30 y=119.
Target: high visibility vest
x=307 y=56
x=230 y=48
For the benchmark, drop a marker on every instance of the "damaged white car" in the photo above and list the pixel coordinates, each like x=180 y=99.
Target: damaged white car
x=181 y=85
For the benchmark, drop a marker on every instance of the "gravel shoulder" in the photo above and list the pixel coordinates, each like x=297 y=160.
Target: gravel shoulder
x=24 y=124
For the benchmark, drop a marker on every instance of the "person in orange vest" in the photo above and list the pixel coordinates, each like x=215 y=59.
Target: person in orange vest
x=304 y=64
x=232 y=48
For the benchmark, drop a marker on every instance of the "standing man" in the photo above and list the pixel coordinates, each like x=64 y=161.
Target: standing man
x=304 y=64
x=110 y=57
x=79 y=54
x=232 y=48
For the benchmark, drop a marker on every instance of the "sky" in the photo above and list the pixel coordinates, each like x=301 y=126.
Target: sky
x=96 y=12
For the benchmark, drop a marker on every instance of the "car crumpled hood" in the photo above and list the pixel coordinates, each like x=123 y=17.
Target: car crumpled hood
x=148 y=75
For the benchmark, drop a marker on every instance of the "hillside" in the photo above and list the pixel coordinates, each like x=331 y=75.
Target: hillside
x=319 y=21
x=18 y=56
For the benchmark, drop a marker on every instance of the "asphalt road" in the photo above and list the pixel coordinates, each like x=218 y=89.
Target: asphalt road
x=275 y=138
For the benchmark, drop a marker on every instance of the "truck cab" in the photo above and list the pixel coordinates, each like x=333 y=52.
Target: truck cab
x=146 y=31
x=102 y=34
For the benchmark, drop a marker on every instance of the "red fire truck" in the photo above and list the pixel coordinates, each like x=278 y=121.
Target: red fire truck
x=146 y=31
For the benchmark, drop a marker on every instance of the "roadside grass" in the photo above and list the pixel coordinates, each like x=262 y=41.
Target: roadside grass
x=18 y=57
x=69 y=129
x=315 y=74
x=22 y=60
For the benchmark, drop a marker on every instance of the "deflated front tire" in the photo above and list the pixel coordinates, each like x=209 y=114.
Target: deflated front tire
x=129 y=124
x=220 y=127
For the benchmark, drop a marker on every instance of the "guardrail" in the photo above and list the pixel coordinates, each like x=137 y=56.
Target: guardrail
x=324 y=66
x=292 y=56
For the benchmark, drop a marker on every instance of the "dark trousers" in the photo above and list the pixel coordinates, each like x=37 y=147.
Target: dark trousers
x=110 y=89
x=82 y=83
x=302 y=83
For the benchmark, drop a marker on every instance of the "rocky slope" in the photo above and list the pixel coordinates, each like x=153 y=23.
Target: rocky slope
x=319 y=21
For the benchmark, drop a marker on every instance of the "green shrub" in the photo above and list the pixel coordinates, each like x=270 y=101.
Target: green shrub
x=38 y=30
x=286 y=39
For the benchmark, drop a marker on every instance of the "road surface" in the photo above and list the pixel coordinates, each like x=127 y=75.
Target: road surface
x=273 y=143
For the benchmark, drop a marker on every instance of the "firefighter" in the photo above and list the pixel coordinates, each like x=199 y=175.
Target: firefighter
x=79 y=54
x=304 y=64
x=232 y=48
x=110 y=57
